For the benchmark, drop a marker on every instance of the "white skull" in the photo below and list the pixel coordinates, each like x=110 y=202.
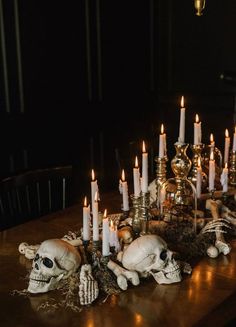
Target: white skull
x=55 y=260
x=149 y=254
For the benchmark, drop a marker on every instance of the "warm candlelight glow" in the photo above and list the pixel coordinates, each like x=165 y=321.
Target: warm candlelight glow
x=226 y=165
x=212 y=156
x=144 y=147
x=123 y=175
x=226 y=133
x=93 y=175
x=85 y=201
x=162 y=129
x=211 y=138
x=182 y=102
x=199 y=162
x=136 y=162
x=96 y=196
x=197 y=118
x=105 y=213
x=112 y=225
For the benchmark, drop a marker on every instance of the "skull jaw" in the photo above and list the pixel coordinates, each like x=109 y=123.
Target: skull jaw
x=167 y=278
x=37 y=286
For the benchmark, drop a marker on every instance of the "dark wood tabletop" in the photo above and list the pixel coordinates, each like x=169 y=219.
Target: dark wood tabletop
x=206 y=298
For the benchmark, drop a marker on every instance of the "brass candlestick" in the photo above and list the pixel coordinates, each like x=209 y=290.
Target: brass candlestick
x=96 y=254
x=181 y=165
x=199 y=6
x=232 y=168
x=197 y=150
x=160 y=172
x=136 y=214
x=144 y=212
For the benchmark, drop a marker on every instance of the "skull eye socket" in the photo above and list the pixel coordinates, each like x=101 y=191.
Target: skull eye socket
x=163 y=255
x=48 y=262
x=36 y=257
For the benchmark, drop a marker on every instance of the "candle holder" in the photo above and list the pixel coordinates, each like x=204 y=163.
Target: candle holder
x=160 y=172
x=136 y=214
x=218 y=163
x=86 y=245
x=232 y=168
x=125 y=214
x=212 y=192
x=181 y=165
x=96 y=245
x=178 y=194
x=144 y=213
x=104 y=260
x=96 y=254
x=197 y=150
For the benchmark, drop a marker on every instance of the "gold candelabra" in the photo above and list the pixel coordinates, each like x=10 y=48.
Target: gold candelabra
x=199 y=6
x=232 y=169
x=160 y=172
x=181 y=165
x=197 y=150
x=144 y=212
x=136 y=214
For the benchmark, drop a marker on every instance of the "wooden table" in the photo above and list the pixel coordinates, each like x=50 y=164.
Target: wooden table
x=206 y=298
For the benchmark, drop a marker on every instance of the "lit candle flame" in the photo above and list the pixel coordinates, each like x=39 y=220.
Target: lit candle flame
x=226 y=165
x=96 y=196
x=123 y=175
x=162 y=129
x=182 y=102
x=136 y=162
x=144 y=147
x=93 y=175
x=226 y=133
x=105 y=213
x=85 y=201
x=197 y=118
x=211 y=138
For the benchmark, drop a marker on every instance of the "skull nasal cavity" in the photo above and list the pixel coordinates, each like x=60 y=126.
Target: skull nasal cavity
x=163 y=255
x=36 y=266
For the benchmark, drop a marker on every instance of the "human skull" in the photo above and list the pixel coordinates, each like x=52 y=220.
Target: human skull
x=55 y=260
x=149 y=254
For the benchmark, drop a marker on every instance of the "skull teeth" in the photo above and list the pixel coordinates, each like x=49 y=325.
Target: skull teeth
x=172 y=273
x=38 y=281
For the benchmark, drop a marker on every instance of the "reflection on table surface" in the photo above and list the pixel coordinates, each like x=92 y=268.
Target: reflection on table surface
x=202 y=299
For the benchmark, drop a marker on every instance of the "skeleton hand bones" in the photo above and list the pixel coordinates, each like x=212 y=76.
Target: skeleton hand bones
x=88 y=288
x=30 y=250
x=220 y=242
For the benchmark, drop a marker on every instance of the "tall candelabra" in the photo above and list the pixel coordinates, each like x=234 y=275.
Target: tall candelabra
x=181 y=165
x=144 y=212
x=160 y=171
x=232 y=169
x=136 y=224
x=197 y=150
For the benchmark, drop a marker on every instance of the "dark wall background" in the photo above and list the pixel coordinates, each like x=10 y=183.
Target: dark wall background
x=100 y=76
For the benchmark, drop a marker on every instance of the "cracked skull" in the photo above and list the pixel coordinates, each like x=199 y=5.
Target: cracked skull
x=149 y=254
x=54 y=260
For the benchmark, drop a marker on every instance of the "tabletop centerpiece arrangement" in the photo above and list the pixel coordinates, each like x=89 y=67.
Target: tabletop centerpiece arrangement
x=169 y=222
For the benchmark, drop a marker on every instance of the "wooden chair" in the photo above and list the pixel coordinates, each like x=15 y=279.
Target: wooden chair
x=33 y=194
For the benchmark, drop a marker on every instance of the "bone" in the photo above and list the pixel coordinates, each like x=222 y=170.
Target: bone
x=212 y=251
x=123 y=275
x=28 y=250
x=229 y=215
x=220 y=243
